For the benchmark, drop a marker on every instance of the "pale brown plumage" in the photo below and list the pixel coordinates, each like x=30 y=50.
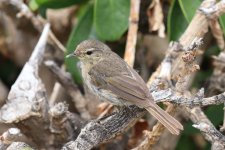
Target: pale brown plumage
x=109 y=76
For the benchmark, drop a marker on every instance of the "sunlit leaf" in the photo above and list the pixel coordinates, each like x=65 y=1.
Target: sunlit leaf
x=111 y=18
x=189 y=8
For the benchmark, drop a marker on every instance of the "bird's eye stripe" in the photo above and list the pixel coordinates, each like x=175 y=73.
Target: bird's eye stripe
x=90 y=49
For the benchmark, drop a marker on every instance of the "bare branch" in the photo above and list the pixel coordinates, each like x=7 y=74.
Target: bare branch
x=214 y=11
x=100 y=131
x=208 y=130
x=129 y=56
x=28 y=92
x=214 y=134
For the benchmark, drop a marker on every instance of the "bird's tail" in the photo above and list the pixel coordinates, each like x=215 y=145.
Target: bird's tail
x=163 y=117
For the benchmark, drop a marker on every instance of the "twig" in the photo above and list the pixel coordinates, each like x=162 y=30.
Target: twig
x=213 y=133
x=208 y=130
x=197 y=100
x=55 y=93
x=129 y=56
x=67 y=82
x=107 y=109
x=217 y=33
x=214 y=11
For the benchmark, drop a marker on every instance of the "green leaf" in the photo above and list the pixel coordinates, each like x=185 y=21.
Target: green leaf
x=222 y=22
x=189 y=8
x=58 y=3
x=33 y=5
x=176 y=23
x=81 y=31
x=111 y=18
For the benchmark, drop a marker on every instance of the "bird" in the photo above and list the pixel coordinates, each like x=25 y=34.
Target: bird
x=109 y=77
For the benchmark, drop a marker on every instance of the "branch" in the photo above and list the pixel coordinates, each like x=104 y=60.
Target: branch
x=27 y=105
x=28 y=92
x=197 y=100
x=214 y=11
x=212 y=132
x=129 y=56
x=102 y=130
x=208 y=130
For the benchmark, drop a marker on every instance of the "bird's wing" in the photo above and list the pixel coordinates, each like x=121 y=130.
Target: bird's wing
x=128 y=89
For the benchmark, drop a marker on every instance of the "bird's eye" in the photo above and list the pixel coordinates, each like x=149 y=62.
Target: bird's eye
x=89 y=52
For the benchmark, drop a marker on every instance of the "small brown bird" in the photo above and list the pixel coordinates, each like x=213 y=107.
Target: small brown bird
x=109 y=76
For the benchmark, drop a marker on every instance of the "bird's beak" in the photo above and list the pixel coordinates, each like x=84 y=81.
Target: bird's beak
x=70 y=55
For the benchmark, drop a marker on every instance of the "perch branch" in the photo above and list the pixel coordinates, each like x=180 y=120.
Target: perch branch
x=98 y=131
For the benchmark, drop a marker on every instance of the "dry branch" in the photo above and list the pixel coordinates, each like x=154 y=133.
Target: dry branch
x=102 y=130
x=208 y=130
x=129 y=56
x=28 y=92
x=27 y=105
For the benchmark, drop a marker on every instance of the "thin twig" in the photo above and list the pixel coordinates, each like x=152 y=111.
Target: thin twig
x=129 y=56
x=217 y=33
x=204 y=124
